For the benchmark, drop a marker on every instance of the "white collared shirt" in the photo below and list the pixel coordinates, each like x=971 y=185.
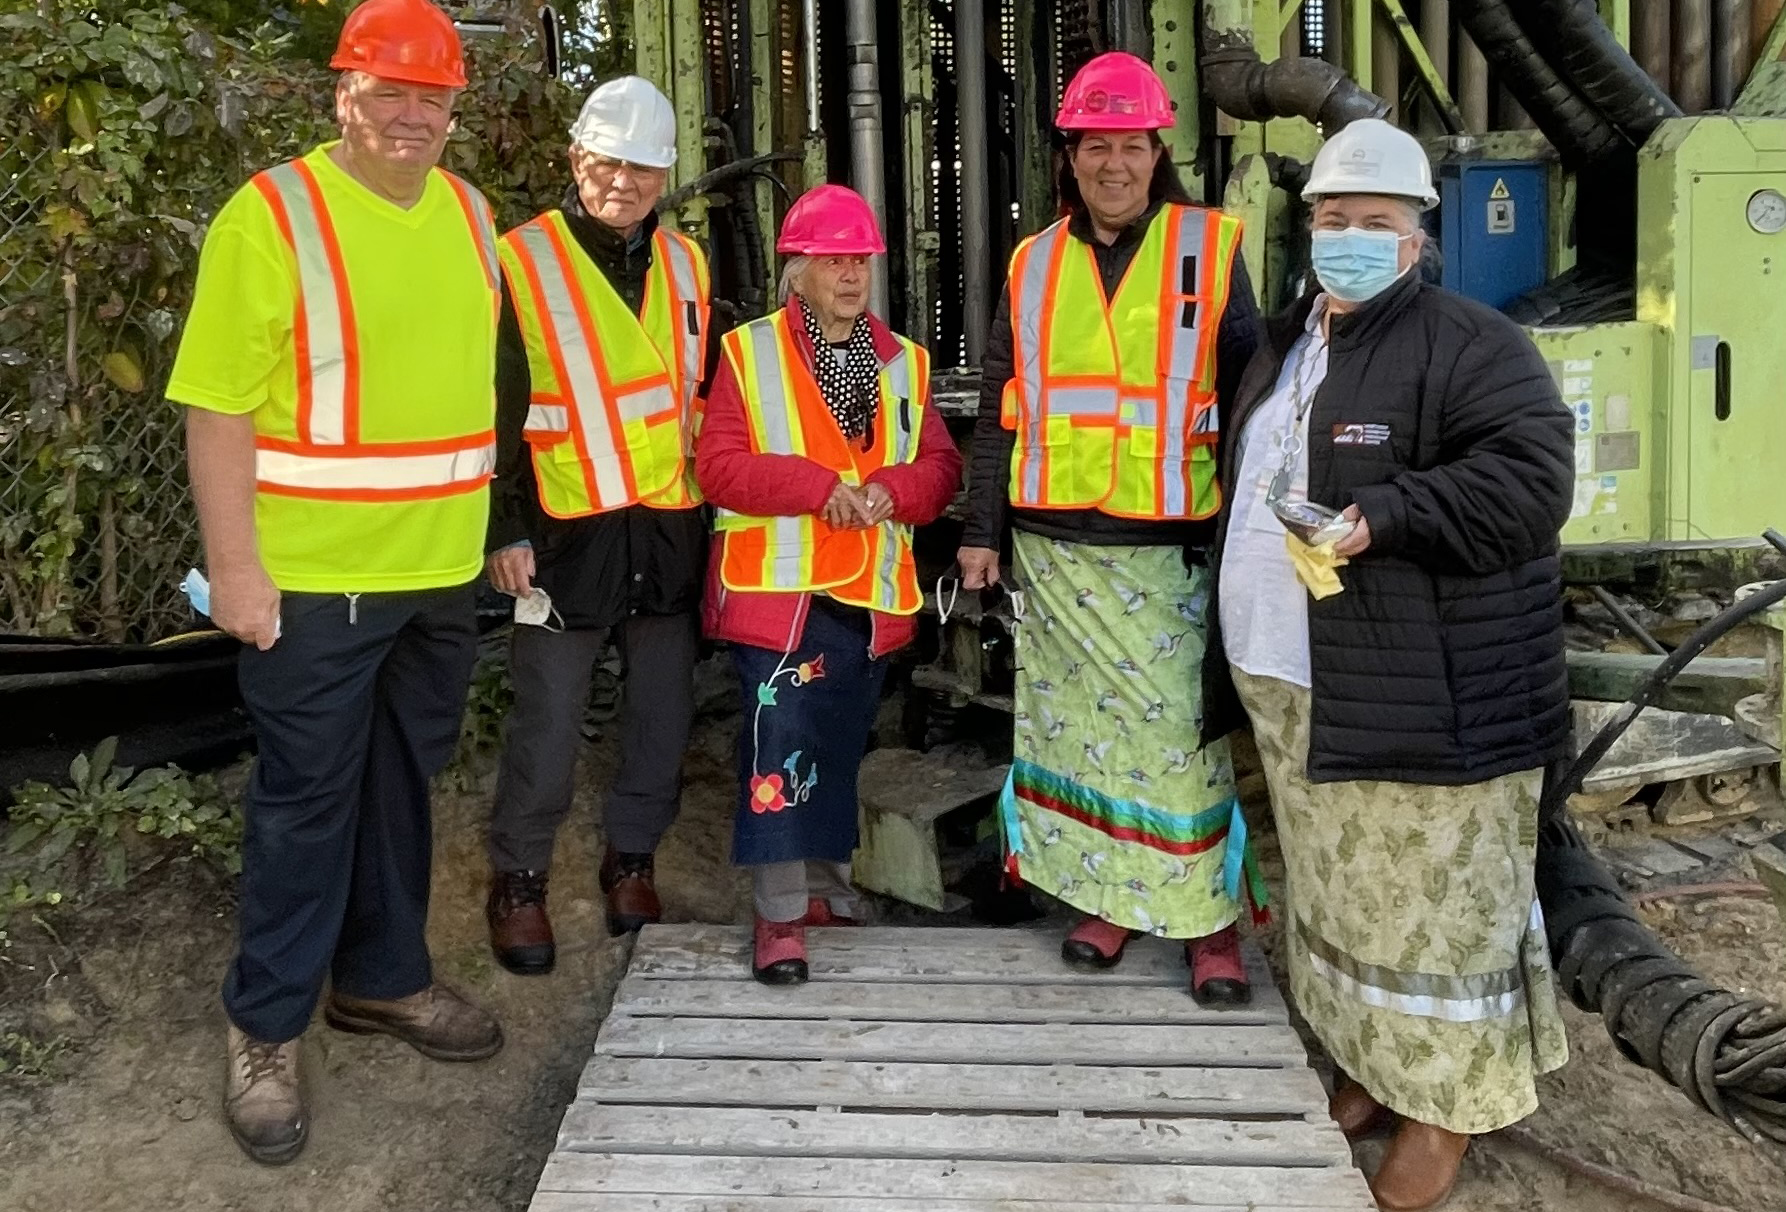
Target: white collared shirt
x=1264 y=606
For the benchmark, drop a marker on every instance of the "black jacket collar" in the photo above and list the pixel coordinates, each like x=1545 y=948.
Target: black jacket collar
x=1358 y=327
x=605 y=246
x=1079 y=227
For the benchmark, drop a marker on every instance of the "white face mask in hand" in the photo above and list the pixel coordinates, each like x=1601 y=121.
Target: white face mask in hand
x=536 y=610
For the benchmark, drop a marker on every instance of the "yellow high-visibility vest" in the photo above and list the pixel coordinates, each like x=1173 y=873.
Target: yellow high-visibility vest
x=872 y=567
x=615 y=407
x=324 y=456
x=1113 y=400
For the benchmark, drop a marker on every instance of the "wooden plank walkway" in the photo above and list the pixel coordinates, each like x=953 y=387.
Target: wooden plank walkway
x=941 y=1070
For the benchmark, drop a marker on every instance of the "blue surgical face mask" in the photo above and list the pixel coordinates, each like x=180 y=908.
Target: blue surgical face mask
x=1355 y=265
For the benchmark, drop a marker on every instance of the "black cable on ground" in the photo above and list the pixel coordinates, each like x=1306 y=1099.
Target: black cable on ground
x=1725 y=1050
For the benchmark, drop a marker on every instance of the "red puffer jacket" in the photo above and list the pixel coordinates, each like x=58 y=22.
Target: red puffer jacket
x=766 y=485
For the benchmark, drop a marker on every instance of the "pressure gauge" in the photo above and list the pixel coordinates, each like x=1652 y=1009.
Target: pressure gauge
x=1767 y=211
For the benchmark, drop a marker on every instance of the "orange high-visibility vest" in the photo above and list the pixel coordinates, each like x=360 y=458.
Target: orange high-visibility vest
x=614 y=410
x=1113 y=400
x=871 y=567
x=325 y=459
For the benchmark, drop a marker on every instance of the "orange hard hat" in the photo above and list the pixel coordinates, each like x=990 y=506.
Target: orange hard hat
x=1115 y=91
x=830 y=220
x=408 y=40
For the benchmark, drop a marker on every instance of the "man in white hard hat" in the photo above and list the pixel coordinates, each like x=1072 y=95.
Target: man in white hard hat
x=1406 y=681
x=596 y=524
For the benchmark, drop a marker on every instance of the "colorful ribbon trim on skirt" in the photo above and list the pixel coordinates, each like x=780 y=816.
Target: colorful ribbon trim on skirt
x=1128 y=821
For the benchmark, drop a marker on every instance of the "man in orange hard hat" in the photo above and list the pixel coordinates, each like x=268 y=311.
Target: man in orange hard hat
x=338 y=369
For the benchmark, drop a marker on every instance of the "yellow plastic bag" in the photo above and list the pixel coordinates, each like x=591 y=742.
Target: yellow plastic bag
x=1316 y=567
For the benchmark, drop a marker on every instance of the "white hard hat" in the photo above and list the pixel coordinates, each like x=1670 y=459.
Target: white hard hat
x=1369 y=156
x=628 y=119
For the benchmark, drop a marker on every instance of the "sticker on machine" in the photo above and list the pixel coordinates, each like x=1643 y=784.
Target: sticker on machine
x=1584 y=458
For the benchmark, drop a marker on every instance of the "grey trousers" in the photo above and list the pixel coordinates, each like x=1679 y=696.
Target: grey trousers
x=781 y=890
x=551 y=672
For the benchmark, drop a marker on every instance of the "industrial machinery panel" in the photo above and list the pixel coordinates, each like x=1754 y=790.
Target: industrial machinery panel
x=1494 y=227
x=1607 y=374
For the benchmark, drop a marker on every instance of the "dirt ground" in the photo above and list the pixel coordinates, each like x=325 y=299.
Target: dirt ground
x=131 y=1120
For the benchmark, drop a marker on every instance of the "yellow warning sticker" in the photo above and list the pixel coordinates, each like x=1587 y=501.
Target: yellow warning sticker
x=1500 y=190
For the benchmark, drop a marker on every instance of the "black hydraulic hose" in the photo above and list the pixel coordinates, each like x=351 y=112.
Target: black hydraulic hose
x=1580 y=133
x=1573 y=38
x=1569 y=782
x=1726 y=1051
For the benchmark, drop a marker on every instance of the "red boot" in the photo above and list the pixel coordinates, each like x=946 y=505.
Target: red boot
x=818 y=913
x=1095 y=943
x=780 y=957
x=1218 y=978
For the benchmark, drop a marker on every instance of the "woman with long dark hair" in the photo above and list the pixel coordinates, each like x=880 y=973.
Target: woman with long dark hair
x=1123 y=326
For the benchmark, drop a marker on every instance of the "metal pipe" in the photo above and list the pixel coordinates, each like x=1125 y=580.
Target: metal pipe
x=976 y=216
x=1333 y=32
x=1692 y=58
x=1386 y=65
x=1245 y=88
x=1650 y=39
x=1730 y=51
x=809 y=33
x=867 y=163
x=1435 y=32
x=1472 y=84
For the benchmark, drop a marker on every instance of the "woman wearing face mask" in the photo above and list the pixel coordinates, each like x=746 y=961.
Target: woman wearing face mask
x=1123 y=326
x=822 y=452
x=1404 y=720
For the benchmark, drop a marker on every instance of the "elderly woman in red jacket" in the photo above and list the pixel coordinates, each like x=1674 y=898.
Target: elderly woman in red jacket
x=821 y=452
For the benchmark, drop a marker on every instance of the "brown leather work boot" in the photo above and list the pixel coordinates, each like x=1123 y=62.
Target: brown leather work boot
x=436 y=1022
x=263 y=1100
x=628 y=879
x=1419 y=1169
x=520 y=931
x=1356 y=1112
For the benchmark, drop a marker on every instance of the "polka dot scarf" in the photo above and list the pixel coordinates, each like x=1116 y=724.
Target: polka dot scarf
x=851 y=386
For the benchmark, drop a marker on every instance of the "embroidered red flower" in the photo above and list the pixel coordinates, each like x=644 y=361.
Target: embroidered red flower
x=766 y=793
x=811 y=671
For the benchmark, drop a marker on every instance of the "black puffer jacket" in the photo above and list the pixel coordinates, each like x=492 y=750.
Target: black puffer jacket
x=1442 y=662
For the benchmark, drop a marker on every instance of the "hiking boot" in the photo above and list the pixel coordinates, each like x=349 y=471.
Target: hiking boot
x=779 y=956
x=1095 y=943
x=628 y=881
x=1419 y=1168
x=1218 y=977
x=263 y=1101
x=520 y=931
x=1357 y=1113
x=436 y=1022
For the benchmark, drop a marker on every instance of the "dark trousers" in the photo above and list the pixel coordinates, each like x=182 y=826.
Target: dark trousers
x=551 y=672
x=355 y=709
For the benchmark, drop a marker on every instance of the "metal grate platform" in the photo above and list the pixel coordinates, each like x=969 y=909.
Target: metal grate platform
x=940 y=1070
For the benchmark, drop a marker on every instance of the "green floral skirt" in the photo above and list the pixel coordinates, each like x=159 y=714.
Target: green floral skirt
x=1111 y=806
x=1416 y=947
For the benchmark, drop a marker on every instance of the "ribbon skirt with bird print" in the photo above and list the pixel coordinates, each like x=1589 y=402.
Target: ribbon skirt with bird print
x=1111 y=806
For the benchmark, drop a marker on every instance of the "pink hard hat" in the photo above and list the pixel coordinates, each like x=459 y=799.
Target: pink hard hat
x=830 y=220
x=1115 y=91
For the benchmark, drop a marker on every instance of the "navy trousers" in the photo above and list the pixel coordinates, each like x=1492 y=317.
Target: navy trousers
x=356 y=708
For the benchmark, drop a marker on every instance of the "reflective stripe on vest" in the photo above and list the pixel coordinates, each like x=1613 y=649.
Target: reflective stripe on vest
x=608 y=428
x=328 y=461
x=1119 y=412
x=870 y=568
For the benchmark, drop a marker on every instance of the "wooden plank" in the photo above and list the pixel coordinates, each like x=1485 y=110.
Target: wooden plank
x=831 y=1178
x=942 y=955
x=754 y=1132
x=1222 y=1092
x=742 y=998
x=954 y=1043
x=565 y=1201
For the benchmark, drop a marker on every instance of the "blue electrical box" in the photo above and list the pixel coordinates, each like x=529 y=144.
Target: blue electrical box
x=1494 y=227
